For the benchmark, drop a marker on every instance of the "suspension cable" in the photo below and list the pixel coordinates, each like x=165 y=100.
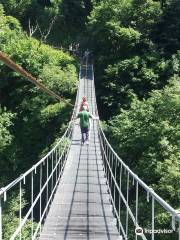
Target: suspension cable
x=10 y=63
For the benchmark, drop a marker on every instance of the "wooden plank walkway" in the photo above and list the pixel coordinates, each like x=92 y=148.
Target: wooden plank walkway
x=81 y=208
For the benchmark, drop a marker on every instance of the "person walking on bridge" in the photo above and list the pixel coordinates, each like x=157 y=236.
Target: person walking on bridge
x=85 y=116
x=84 y=103
x=86 y=56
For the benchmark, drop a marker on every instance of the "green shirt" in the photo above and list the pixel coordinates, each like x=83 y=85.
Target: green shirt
x=84 y=119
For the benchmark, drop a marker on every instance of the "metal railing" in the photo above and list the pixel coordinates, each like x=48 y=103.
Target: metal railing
x=41 y=182
x=121 y=180
x=46 y=173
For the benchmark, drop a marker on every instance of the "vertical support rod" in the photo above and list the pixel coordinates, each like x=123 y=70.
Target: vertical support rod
x=52 y=178
x=58 y=167
x=112 y=158
x=0 y=218
x=32 y=199
x=120 y=183
x=115 y=182
x=136 y=217
x=59 y=153
x=127 y=202
x=47 y=189
x=40 y=199
x=108 y=160
x=103 y=150
x=20 y=209
x=56 y=164
x=63 y=157
x=110 y=154
x=152 y=236
x=106 y=156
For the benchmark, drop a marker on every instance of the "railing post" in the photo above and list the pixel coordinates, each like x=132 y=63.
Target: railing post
x=0 y=218
x=127 y=202
x=107 y=177
x=56 y=164
x=103 y=149
x=115 y=182
x=60 y=161
x=52 y=177
x=111 y=164
x=106 y=151
x=20 y=209
x=152 y=236
x=40 y=199
x=32 y=200
x=136 y=216
x=47 y=189
x=120 y=181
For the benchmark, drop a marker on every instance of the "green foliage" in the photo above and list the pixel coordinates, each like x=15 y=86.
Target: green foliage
x=33 y=121
x=166 y=33
x=147 y=137
x=136 y=16
x=5 y=124
x=6 y=140
x=59 y=79
x=127 y=59
x=127 y=70
x=15 y=7
x=37 y=117
x=67 y=25
x=11 y=217
x=137 y=75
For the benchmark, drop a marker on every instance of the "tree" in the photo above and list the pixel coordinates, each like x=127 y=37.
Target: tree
x=166 y=33
x=146 y=137
x=38 y=118
x=6 y=140
x=126 y=59
x=30 y=120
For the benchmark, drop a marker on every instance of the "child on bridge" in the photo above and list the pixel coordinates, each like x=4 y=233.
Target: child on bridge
x=84 y=116
x=84 y=103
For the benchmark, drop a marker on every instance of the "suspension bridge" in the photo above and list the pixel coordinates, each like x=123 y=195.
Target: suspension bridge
x=84 y=191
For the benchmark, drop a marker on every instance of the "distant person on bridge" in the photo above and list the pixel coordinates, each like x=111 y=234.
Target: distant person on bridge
x=84 y=116
x=86 y=56
x=84 y=103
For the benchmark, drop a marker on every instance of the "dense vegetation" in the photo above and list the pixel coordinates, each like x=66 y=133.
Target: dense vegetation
x=137 y=67
x=30 y=120
x=136 y=44
x=67 y=26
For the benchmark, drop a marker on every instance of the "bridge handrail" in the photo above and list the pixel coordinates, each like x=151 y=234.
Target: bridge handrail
x=22 y=176
x=149 y=191
x=143 y=184
x=60 y=157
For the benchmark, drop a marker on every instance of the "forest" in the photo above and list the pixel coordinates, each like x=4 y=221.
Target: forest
x=136 y=53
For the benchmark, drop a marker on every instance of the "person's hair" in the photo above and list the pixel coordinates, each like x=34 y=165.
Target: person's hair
x=84 y=99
